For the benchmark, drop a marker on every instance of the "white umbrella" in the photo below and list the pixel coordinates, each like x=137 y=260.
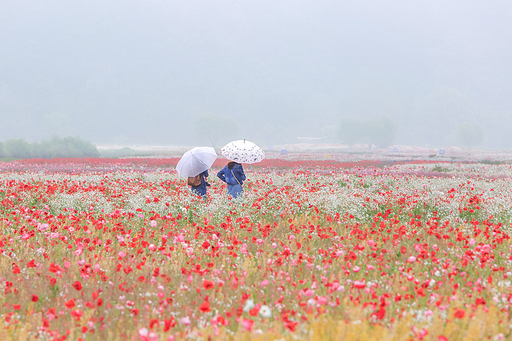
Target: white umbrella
x=196 y=161
x=243 y=151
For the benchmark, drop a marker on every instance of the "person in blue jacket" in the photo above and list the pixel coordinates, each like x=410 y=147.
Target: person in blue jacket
x=201 y=189
x=233 y=174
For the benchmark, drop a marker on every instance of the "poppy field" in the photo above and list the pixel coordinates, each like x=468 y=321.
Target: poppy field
x=118 y=250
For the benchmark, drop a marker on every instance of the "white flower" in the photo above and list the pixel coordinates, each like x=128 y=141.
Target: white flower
x=249 y=304
x=265 y=311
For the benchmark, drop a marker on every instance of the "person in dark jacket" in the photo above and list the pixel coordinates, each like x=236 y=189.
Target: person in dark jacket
x=233 y=174
x=201 y=189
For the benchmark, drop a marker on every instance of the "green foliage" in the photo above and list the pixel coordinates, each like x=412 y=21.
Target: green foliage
x=47 y=149
x=469 y=134
x=438 y=168
x=121 y=152
x=492 y=162
x=214 y=128
x=382 y=131
x=18 y=148
x=65 y=147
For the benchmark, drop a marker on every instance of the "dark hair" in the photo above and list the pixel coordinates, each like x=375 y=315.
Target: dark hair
x=232 y=164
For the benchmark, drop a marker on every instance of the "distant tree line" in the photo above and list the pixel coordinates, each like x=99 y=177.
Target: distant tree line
x=47 y=149
x=381 y=132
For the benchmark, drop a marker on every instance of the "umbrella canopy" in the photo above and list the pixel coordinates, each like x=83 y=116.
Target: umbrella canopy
x=243 y=151
x=196 y=161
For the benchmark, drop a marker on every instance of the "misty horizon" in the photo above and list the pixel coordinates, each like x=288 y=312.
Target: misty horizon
x=132 y=72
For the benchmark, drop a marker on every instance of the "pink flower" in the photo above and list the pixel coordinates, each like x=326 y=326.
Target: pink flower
x=321 y=300
x=264 y=283
x=308 y=292
x=247 y=324
x=359 y=284
x=411 y=259
x=122 y=254
x=185 y=320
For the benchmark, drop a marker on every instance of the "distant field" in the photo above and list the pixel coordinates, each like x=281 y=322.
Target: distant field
x=340 y=152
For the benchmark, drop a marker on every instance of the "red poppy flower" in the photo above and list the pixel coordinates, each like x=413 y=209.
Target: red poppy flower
x=379 y=314
x=168 y=324
x=77 y=285
x=254 y=311
x=54 y=267
x=70 y=304
x=77 y=314
x=291 y=325
x=15 y=269
x=205 y=307
x=152 y=323
x=208 y=285
x=221 y=320
x=459 y=313
x=35 y=298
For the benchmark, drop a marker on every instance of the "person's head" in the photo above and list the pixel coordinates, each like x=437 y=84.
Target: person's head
x=232 y=164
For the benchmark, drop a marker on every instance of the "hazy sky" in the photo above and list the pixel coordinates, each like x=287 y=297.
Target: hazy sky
x=141 y=72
